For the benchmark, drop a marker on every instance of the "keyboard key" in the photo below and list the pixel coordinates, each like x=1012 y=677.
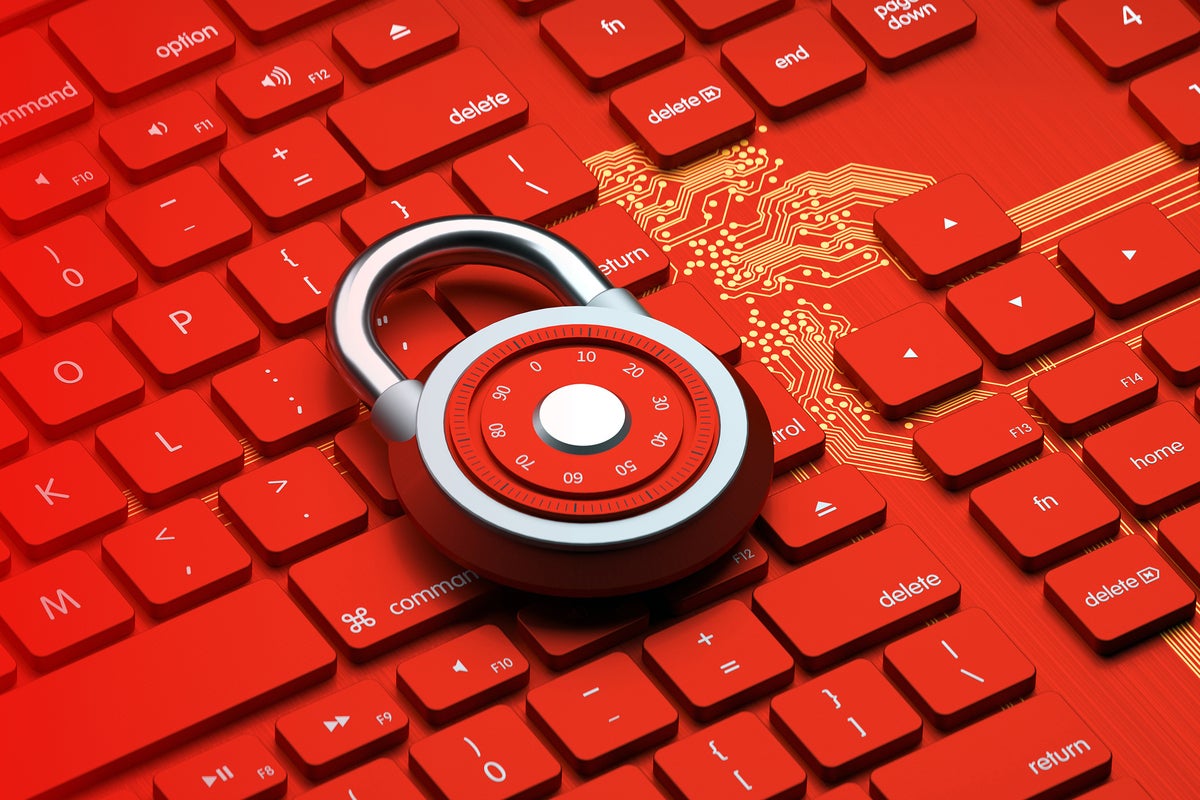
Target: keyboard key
x=1130 y=260
x=163 y=136
x=490 y=756
x=1045 y=512
x=1120 y=789
x=293 y=506
x=58 y=497
x=66 y=272
x=386 y=39
x=718 y=660
x=423 y=197
x=475 y=296
x=681 y=305
x=32 y=69
x=177 y=559
x=49 y=185
x=904 y=33
x=185 y=329
x=169 y=448
x=735 y=757
x=978 y=441
x=447 y=106
x=1092 y=389
x=285 y=397
x=401 y=589
x=1172 y=345
x=1120 y=594
x=907 y=361
x=1122 y=39
x=242 y=769
x=288 y=280
x=606 y=43
x=376 y=780
x=831 y=608
x=1020 y=310
x=1005 y=747
x=1151 y=462
x=293 y=173
x=682 y=112
x=530 y=175
x=797 y=438
x=817 y=514
x=178 y=223
x=170 y=41
x=14 y=436
x=627 y=782
x=71 y=379
x=266 y=20
x=746 y=564
x=947 y=231
x=341 y=729
x=566 y=633
x=1167 y=102
x=713 y=20
x=618 y=247
x=142 y=676
x=959 y=669
x=846 y=720
x=10 y=328
x=1179 y=537
x=793 y=63
x=364 y=455
x=602 y=713
x=463 y=675
x=278 y=87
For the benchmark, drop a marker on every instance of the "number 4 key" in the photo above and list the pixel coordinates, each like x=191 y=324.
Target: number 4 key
x=1123 y=39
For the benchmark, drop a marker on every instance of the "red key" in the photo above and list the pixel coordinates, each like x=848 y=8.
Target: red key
x=1151 y=462
x=1007 y=748
x=1172 y=345
x=178 y=223
x=846 y=720
x=1120 y=789
x=280 y=86
x=377 y=45
x=462 y=675
x=683 y=307
x=682 y=112
x=713 y=20
x=285 y=397
x=797 y=438
x=947 y=231
x=1120 y=594
x=288 y=281
x=401 y=589
x=50 y=185
x=618 y=247
x=295 y=172
x=1094 y=388
x=477 y=296
x=142 y=709
x=71 y=379
x=833 y=607
x=293 y=506
x=490 y=756
x=364 y=454
x=14 y=437
x=163 y=136
x=826 y=510
x=602 y=713
x=978 y=441
x=627 y=782
x=1122 y=39
x=735 y=757
x=66 y=272
x=186 y=329
x=905 y=32
x=907 y=360
x=266 y=20
x=341 y=729
x=8 y=670
x=1020 y=310
x=237 y=769
x=1130 y=260
x=746 y=564
x=31 y=70
x=632 y=37
x=57 y=497
x=414 y=330
x=531 y=175
x=960 y=668
x=446 y=106
x=1167 y=102
x=793 y=63
x=177 y=559
x=718 y=660
x=169 y=42
x=63 y=609
x=169 y=448
x=565 y=633
x=375 y=780
x=423 y=197
x=1179 y=537
x=1044 y=512
x=10 y=328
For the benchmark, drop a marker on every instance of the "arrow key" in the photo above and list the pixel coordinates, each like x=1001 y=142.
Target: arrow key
x=393 y=37
x=463 y=674
x=237 y=769
x=808 y=518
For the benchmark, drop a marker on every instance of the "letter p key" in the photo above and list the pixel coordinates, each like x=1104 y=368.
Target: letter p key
x=181 y=319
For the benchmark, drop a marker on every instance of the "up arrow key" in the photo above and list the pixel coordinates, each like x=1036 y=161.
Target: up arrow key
x=910 y=353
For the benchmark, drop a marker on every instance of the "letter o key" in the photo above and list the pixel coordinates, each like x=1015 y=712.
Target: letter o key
x=59 y=372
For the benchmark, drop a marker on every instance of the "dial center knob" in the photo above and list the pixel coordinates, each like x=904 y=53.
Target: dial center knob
x=581 y=418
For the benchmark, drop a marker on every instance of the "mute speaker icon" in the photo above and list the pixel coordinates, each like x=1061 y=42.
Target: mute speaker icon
x=459 y=666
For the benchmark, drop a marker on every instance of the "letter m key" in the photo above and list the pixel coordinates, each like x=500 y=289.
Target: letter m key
x=59 y=605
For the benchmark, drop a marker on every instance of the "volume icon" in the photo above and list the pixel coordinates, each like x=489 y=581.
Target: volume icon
x=278 y=76
x=41 y=179
x=459 y=666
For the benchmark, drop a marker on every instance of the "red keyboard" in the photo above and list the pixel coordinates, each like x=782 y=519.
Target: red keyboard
x=961 y=275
